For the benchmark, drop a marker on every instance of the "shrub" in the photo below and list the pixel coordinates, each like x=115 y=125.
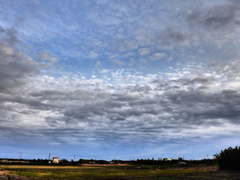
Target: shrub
x=229 y=158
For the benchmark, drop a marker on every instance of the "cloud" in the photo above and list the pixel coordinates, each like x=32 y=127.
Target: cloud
x=219 y=17
x=129 y=107
x=228 y=69
x=8 y=36
x=171 y=37
x=15 y=67
x=150 y=108
x=48 y=57
x=125 y=45
x=93 y=55
x=144 y=51
x=157 y=56
x=118 y=62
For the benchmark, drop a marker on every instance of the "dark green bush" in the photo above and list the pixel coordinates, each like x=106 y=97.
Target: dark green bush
x=229 y=158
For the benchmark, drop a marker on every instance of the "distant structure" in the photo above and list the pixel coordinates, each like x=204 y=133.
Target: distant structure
x=167 y=159
x=55 y=160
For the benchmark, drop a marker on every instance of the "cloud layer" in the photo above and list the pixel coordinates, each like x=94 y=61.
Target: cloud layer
x=96 y=112
x=119 y=75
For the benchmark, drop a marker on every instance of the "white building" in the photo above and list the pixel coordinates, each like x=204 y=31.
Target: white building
x=55 y=160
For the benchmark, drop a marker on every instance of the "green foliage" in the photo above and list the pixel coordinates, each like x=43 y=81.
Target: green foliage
x=229 y=158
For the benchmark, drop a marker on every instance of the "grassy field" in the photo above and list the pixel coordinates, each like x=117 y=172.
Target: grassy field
x=95 y=172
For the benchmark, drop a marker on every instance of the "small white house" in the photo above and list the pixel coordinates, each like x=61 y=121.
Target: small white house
x=55 y=160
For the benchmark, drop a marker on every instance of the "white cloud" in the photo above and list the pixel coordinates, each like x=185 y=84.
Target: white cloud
x=48 y=57
x=126 y=45
x=93 y=55
x=157 y=56
x=144 y=51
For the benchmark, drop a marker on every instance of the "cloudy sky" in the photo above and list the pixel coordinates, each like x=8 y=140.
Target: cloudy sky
x=119 y=79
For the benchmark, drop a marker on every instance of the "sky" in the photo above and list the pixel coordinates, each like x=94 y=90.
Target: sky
x=119 y=79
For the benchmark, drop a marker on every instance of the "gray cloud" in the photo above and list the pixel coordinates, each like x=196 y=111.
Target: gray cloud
x=200 y=108
x=15 y=70
x=216 y=17
x=229 y=68
x=8 y=36
x=171 y=37
x=46 y=56
x=15 y=66
x=158 y=110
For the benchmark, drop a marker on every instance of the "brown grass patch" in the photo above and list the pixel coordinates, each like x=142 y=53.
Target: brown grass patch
x=103 y=165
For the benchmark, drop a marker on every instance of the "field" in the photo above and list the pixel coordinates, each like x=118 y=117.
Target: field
x=94 y=172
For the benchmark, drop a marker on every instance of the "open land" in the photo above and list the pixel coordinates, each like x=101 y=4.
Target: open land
x=111 y=172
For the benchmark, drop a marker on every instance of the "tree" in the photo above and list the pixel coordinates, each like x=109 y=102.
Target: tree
x=229 y=158
x=64 y=162
x=180 y=159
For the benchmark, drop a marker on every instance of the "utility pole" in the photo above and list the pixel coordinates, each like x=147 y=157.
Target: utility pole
x=49 y=156
x=20 y=156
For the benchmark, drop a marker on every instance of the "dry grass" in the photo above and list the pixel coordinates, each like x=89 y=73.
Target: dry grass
x=127 y=172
